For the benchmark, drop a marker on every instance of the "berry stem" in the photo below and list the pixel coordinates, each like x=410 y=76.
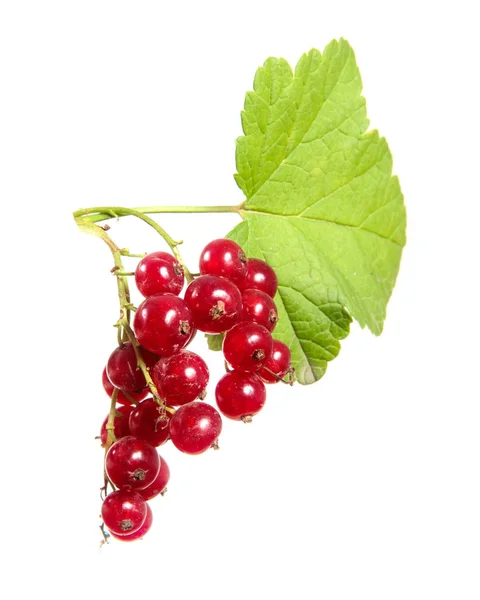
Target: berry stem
x=125 y=305
x=106 y=211
x=122 y=283
x=100 y=213
x=141 y=363
x=110 y=426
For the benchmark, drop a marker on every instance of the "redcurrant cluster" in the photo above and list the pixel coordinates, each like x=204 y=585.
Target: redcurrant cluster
x=232 y=297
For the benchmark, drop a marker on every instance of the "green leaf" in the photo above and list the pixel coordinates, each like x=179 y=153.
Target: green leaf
x=322 y=207
x=214 y=341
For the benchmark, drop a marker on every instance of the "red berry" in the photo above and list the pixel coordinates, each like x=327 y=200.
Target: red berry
x=195 y=427
x=131 y=462
x=124 y=512
x=120 y=424
x=180 y=378
x=278 y=363
x=121 y=396
x=260 y=276
x=122 y=369
x=215 y=302
x=160 y=483
x=136 y=535
x=259 y=308
x=163 y=324
x=247 y=346
x=224 y=258
x=240 y=395
x=148 y=422
x=159 y=273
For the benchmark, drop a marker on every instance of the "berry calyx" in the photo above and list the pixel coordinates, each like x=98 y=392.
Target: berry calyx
x=160 y=483
x=131 y=462
x=149 y=422
x=159 y=273
x=124 y=512
x=195 y=427
x=215 y=302
x=180 y=378
x=240 y=395
x=225 y=258
x=163 y=324
x=136 y=535
x=278 y=363
x=247 y=346
x=260 y=308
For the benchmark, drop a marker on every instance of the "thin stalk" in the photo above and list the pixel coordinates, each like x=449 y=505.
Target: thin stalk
x=91 y=215
x=111 y=418
x=122 y=283
x=124 y=300
x=106 y=213
x=141 y=363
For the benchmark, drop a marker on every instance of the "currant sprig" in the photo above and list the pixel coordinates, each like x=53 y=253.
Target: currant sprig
x=231 y=296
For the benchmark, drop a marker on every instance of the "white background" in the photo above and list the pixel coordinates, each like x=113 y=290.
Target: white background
x=365 y=485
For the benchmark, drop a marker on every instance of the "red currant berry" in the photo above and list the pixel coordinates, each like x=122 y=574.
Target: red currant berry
x=247 y=346
x=136 y=535
x=160 y=483
x=260 y=276
x=122 y=369
x=124 y=512
x=259 y=308
x=120 y=424
x=180 y=378
x=215 y=302
x=150 y=423
x=240 y=395
x=122 y=397
x=225 y=258
x=131 y=462
x=277 y=365
x=159 y=273
x=195 y=427
x=163 y=324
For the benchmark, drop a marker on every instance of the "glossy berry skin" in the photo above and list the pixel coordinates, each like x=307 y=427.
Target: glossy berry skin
x=160 y=483
x=195 y=427
x=120 y=424
x=260 y=276
x=121 y=396
x=240 y=395
x=148 y=422
x=159 y=273
x=131 y=462
x=278 y=363
x=260 y=308
x=124 y=512
x=247 y=346
x=224 y=258
x=215 y=302
x=180 y=378
x=163 y=324
x=137 y=535
x=122 y=369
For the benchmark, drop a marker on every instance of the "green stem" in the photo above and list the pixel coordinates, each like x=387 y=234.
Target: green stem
x=122 y=283
x=141 y=363
x=91 y=215
x=124 y=298
x=106 y=211
x=110 y=423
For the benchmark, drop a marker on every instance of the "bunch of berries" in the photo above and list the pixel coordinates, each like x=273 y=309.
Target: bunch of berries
x=232 y=297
